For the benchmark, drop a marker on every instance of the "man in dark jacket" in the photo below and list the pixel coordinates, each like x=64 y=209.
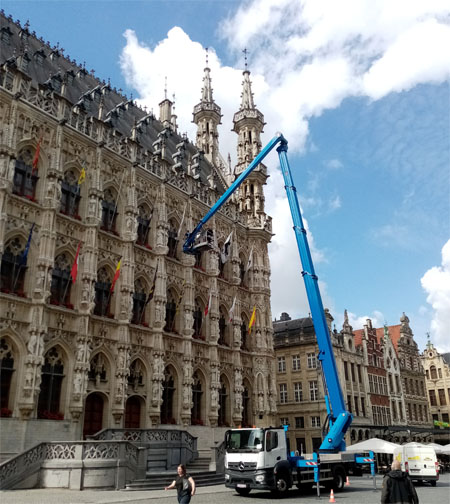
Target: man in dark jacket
x=398 y=487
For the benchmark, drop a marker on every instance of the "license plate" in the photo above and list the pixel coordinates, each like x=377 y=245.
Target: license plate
x=241 y=485
x=414 y=470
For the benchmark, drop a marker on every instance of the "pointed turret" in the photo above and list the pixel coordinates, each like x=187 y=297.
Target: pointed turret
x=207 y=117
x=165 y=109
x=248 y=123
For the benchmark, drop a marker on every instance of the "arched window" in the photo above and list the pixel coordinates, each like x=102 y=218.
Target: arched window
x=12 y=276
x=6 y=373
x=24 y=183
x=97 y=370
x=223 y=399
x=102 y=294
x=244 y=333
x=172 y=240
x=171 y=311
x=70 y=195
x=136 y=376
x=433 y=372
x=139 y=299
x=109 y=211
x=167 y=416
x=52 y=378
x=144 y=220
x=61 y=282
x=246 y=408
x=198 y=320
x=242 y=271
x=196 y=412
x=222 y=328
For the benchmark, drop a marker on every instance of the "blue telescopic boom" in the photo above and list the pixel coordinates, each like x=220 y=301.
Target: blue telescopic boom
x=340 y=419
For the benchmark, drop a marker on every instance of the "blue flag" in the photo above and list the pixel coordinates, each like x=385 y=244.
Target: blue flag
x=23 y=259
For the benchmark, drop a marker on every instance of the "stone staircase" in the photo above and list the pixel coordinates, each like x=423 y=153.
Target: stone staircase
x=198 y=469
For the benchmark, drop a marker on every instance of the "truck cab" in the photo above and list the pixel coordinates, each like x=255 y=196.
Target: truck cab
x=253 y=457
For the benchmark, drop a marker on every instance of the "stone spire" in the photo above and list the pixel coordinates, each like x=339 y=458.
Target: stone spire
x=165 y=109
x=207 y=117
x=248 y=123
x=247 y=95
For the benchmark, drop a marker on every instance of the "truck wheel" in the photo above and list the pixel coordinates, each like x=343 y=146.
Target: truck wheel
x=282 y=486
x=338 y=482
x=243 y=491
x=433 y=483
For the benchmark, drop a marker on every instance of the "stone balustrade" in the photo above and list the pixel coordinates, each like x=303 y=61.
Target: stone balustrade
x=75 y=465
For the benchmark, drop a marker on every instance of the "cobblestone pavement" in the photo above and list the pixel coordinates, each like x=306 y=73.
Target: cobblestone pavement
x=360 y=491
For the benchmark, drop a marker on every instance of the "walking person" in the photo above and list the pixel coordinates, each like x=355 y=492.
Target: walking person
x=184 y=484
x=398 y=487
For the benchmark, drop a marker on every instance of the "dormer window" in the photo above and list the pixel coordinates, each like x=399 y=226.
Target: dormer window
x=24 y=62
x=70 y=76
x=39 y=56
x=5 y=35
x=96 y=95
x=24 y=34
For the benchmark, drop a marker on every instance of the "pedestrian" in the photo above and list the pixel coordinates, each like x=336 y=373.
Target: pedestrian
x=184 y=484
x=398 y=487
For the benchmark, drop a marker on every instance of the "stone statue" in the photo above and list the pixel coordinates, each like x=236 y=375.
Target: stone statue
x=29 y=377
x=80 y=351
x=238 y=400
x=261 y=402
x=186 y=394
x=92 y=206
x=32 y=344
x=214 y=397
x=77 y=383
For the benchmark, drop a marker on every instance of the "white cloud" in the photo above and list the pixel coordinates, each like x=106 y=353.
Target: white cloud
x=359 y=321
x=334 y=164
x=436 y=283
x=306 y=56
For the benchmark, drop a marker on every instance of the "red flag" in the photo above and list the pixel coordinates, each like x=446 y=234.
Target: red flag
x=74 y=271
x=208 y=306
x=116 y=275
x=36 y=157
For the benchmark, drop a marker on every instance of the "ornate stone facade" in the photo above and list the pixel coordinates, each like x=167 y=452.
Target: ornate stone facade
x=437 y=382
x=299 y=378
x=83 y=164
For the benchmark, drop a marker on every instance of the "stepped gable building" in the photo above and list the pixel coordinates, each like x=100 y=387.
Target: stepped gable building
x=125 y=343
x=393 y=357
x=437 y=373
x=412 y=373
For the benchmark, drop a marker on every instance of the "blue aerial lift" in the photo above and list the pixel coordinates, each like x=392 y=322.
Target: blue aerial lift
x=339 y=419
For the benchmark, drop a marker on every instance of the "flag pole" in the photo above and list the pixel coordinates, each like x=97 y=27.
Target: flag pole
x=65 y=291
x=147 y=228
x=117 y=199
x=17 y=277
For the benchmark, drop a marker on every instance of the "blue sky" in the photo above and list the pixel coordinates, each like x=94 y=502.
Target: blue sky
x=364 y=102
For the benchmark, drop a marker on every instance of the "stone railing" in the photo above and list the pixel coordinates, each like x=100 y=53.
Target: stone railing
x=166 y=448
x=217 y=463
x=75 y=465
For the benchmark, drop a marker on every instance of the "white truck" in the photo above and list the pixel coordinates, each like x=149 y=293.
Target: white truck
x=259 y=459
x=419 y=462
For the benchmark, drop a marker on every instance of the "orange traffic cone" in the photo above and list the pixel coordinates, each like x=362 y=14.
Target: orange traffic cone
x=331 y=496
x=347 y=482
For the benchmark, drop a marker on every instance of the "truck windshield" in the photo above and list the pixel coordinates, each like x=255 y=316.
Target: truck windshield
x=245 y=440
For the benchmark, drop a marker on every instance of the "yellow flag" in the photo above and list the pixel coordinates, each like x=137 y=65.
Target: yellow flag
x=252 y=320
x=82 y=176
